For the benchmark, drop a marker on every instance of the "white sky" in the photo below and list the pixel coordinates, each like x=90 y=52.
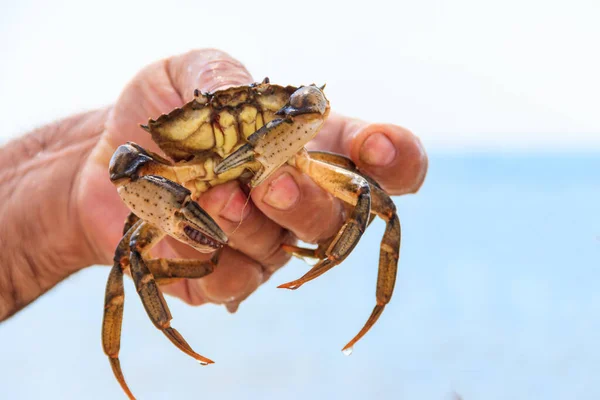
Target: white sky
x=461 y=74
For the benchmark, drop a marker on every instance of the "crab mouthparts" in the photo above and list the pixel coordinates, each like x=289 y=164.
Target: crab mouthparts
x=201 y=238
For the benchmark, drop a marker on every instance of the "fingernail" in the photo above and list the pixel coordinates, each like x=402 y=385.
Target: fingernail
x=283 y=192
x=377 y=150
x=237 y=207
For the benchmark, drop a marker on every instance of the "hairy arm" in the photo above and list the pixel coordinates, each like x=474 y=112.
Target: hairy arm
x=41 y=240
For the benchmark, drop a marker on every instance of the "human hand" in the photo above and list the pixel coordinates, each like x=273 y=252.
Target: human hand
x=287 y=202
x=80 y=220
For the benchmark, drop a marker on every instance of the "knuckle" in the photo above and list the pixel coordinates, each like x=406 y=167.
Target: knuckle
x=276 y=257
x=321 y=224
x=193 y=294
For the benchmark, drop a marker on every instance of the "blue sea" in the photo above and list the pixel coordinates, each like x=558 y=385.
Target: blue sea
x=497 y=297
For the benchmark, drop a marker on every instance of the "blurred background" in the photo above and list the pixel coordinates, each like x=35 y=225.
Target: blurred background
x=498 y=289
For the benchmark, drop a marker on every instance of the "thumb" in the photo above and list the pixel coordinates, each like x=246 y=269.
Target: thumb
x=158 y=88
x=207 y=70
x=167 y=84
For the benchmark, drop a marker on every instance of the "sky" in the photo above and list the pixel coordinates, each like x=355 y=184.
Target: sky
x=463 y=75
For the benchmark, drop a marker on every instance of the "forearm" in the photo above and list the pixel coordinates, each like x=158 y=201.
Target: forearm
x=41 y=240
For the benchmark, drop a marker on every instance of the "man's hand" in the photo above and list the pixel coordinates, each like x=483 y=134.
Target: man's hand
x=288 y=201
x=287 y=206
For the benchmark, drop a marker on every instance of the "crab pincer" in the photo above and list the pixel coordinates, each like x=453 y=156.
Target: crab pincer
x=162 y=207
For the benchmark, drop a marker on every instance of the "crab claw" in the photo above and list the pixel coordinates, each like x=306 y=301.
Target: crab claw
x=305 y=100
x=243 y=155
x=168 y=206
x=126 y=161
x=280 y=139
x=131 y=161
x=201 y=228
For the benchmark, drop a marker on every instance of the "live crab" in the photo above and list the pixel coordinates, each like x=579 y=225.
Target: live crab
x=245 y=133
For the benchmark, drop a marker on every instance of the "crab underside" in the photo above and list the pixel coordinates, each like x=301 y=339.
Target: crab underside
x=246 y=133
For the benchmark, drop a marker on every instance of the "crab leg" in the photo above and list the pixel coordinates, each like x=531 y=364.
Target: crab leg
x=142 y=240
x=351 y=188
x=160 y=203
x=341 y=161
x=114 y=302
x=332 y=176
x=133 y=161
x=129 y=222
x=347 y=164
x=166 y=271
x=388 y=262
x=304 y=252
x=334 y=159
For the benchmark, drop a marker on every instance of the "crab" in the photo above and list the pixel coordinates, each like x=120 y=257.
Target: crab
x=244 y=133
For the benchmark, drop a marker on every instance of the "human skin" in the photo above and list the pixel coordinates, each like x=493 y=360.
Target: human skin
x=60 y=213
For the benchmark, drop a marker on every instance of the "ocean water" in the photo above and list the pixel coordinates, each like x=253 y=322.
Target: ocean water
x=497 y=297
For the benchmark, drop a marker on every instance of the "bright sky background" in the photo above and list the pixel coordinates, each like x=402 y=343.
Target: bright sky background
x=469 y=74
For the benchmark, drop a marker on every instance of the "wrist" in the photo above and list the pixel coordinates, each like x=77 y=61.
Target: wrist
x=40 y=225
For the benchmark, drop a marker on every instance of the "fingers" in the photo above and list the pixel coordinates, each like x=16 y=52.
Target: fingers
x=296 y=202
x=253 y=253
x=390 y=154
x=249 y=230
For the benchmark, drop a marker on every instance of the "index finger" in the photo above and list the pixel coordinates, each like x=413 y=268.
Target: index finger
x=390 y=154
